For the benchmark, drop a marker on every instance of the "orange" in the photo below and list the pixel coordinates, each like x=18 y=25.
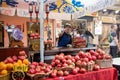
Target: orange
x=1 y=63
x=2 y=66
x=16 y=64
x=19 y=62
x=9 y=66
x=25 y=61
x=23 y=64
x=4 y=72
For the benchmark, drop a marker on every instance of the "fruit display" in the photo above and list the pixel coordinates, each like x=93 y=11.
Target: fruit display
x=65 y=65
x=61 y=65
x=102 y=59
x=39 y=68
x=79 y=42
x=11 y=62
x=84 y=60
x=34 y=36
x=59 y=73
x=62 y=61
x=100 y=54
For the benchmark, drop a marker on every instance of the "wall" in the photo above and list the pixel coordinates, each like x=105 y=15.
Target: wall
x=16 y=21
x=19 y=21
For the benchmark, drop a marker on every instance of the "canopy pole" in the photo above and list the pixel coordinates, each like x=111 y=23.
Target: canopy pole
x=41 y=30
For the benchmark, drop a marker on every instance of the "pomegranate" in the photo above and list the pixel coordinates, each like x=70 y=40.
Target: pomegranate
x=53 y=74
x=96 y=67
x=66 y=73
x=32 y=71
x=74 y=71
x=82 y=70
x=60 y=73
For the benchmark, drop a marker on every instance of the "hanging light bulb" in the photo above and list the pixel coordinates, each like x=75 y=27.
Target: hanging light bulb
x=30 y=8
x=117 y=11
x=30 y=11
x=104 y=10
x=47 y=12
x=36 y=11
x=47 y=8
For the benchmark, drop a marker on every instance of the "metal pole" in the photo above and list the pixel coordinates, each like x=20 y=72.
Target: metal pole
x=41 y=30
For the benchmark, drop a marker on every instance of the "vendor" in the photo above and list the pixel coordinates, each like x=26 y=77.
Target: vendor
x=114 y=44
x=80 y=34
x=65 y=37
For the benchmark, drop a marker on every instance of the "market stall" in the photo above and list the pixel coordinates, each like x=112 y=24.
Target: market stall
x=83 y=65
x=63 y=67
x=54 y=6
x=79 y=62
x=49 y=54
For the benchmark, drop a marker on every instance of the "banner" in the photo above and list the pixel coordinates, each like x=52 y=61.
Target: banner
x=100 y=4
x=7 y=11
x=23 y=13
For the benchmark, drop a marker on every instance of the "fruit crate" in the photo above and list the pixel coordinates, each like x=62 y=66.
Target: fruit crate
x=88 y=67
x=5 y=77
x=104 y=63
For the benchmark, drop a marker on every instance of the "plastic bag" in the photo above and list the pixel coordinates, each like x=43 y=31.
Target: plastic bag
x=17 y=34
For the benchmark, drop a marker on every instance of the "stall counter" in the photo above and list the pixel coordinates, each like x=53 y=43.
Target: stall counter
x=49 y=54
x=103 y=74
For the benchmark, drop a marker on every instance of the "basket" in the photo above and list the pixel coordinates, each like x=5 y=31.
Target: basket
x=23 y=68
x=105 y=63
x=79 y=42
x=69 y=68
x=5 y=77
x=18 y=75
x=88 y=67
x=39 y=76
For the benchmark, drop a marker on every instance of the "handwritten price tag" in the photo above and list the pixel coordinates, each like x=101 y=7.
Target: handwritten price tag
x=23 y=68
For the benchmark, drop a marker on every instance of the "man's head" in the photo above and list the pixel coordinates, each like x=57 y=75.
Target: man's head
x=67 y=28
x=114 y=27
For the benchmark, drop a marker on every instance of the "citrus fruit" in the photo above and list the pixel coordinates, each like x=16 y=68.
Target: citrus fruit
x=4 y=72
x=9 y=66
x=25 y=61
x=19 y=62
x=2 y=66
x=16 y=64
